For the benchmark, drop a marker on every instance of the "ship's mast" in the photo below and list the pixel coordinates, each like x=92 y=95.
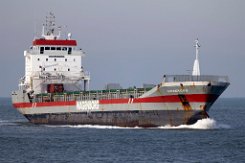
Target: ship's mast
x=49 y=28
x=196 y=68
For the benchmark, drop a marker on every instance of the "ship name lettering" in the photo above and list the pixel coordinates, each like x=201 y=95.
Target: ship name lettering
x=88 y=105
x=177 y=90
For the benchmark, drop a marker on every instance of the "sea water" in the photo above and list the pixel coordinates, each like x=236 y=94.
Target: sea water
x=221 y=138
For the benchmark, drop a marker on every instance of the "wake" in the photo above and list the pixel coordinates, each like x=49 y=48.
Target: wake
x=7 y=123
x=94 y=126
x=13 y=122
x=203 y=124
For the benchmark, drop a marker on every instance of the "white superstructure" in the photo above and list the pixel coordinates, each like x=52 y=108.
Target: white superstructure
x=51 y=59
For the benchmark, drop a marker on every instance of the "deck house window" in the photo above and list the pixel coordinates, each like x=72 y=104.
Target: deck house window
x=41 y=50
x=69 y=50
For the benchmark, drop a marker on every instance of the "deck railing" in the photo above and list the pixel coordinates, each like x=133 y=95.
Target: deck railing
x=91 y=95
x=182 y=78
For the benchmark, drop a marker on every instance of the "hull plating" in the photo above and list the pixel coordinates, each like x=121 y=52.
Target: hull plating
x=122 y=118
x=166 y=104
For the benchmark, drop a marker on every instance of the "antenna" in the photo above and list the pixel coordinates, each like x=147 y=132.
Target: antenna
x=49 y=30
x=69 y=36
x=43 y=30
x=50 y=24
x=59 y=32
x=196 y=68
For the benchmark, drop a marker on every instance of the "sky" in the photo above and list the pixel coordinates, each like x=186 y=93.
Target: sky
x=132 y=42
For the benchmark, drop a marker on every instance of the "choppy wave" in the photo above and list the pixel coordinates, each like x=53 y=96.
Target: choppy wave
x=203 y=124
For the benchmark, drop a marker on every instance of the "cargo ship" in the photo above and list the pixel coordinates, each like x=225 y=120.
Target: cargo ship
x=55 y=90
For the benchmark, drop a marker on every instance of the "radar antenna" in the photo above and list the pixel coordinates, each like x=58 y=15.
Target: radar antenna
x=49 y=28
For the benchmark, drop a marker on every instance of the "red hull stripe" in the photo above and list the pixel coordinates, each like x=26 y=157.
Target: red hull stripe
x=158 y=99
x=164 y=99
x=55 y=42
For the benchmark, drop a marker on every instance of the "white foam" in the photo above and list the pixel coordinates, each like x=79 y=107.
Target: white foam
x=203 y=124
x=93 y=126
x=12 y=122
x=6 y=123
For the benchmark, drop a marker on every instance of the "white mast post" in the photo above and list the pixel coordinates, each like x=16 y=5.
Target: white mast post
x=196 y=68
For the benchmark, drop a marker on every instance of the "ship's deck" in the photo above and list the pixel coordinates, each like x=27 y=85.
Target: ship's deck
x=121 y=93
x=90 y=95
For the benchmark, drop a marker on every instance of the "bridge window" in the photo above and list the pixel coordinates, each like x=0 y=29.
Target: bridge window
x=69 y=50
x=58 y=48
x=64 y=48
x=41 y=50
x=52 y=48
x=47 y=48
